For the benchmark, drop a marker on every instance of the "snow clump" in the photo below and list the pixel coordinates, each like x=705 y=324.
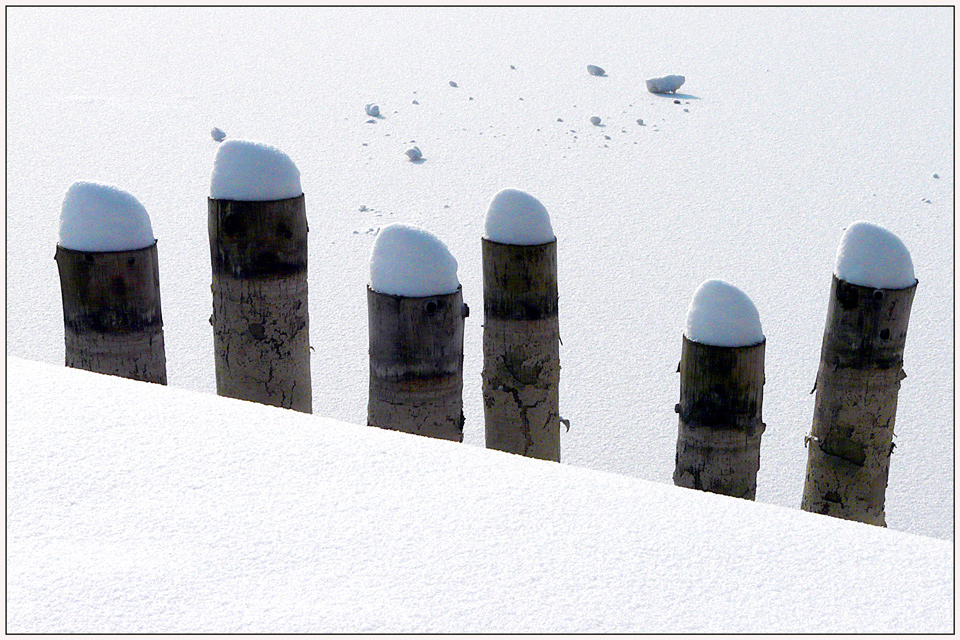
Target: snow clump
x=253 y=171
x=871 y=256
x=594 y=70
x=217 y=134
x=722 y=315
x=410 y=261
x=666 y=84
x=372 y=110
x=414 y=154
x=595 y=120
x=515 y=217
x=98 y=217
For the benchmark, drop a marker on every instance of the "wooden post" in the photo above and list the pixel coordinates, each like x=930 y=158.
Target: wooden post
x=416 y=363
x=861 y=366
x=721 y=401
x=258 y=251
x=111 y=312
x=521 y=349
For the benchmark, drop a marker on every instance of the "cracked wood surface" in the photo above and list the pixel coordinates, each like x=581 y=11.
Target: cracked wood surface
x=261 y=340
x=858 y=383
x=260 y=316
x=521 y=349
x=111 y=312
x=720 y=425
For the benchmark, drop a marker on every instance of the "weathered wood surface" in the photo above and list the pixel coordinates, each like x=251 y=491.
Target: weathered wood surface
x=416 y=363
x=858 y=383
x=521 y=349
x=721 y=402
x=258 y=254
x=111 y=312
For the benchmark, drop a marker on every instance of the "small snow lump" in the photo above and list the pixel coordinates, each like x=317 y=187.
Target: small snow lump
x=666 y=84
x=454 y=84
x=414 y=154
x=594 y=70
x=217 y=134
x=595 y=120
x=372 y=110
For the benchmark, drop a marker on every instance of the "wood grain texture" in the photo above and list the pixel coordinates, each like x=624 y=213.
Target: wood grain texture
x=857 y=389
x=720 y=426
x=416 y=363
x=111 y=312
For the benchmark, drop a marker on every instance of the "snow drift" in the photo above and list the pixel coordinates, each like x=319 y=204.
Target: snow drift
x=136 y=508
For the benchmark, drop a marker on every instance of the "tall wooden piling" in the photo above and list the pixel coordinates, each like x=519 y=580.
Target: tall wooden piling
x=721 y=402
x=521 y=349
x=258 y=252
x=111 y=312
x=858 y=382
x=416 y=363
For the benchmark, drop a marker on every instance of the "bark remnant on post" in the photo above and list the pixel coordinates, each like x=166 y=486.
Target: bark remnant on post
x=111 y=312
x=416 y=363
x=721 y=402
x=258 y=252
x=521 y=349
x=858 y=382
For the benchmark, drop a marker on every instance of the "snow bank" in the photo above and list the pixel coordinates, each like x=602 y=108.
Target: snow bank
x=666 y=84
x=871 y=256
x=245 y=170
x=722 y=315
x=410 y=261
x=137 y=508
x=98 y=217
x=515 y=217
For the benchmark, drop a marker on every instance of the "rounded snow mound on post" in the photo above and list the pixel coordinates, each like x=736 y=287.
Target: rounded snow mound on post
x=98 y=217
x=722 y=315
x=253 y=171
x=410 y=261
x=515 y=217
x=871 y=256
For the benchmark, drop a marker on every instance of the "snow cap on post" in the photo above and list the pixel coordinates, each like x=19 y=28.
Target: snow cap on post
x=253 y=171
x=515 y=217
x=871 y=256
x=722 y=315
x=410 y=261
x=98 y=217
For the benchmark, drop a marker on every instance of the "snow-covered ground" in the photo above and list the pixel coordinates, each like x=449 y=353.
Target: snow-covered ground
x=133 y=507
x=791 y=124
